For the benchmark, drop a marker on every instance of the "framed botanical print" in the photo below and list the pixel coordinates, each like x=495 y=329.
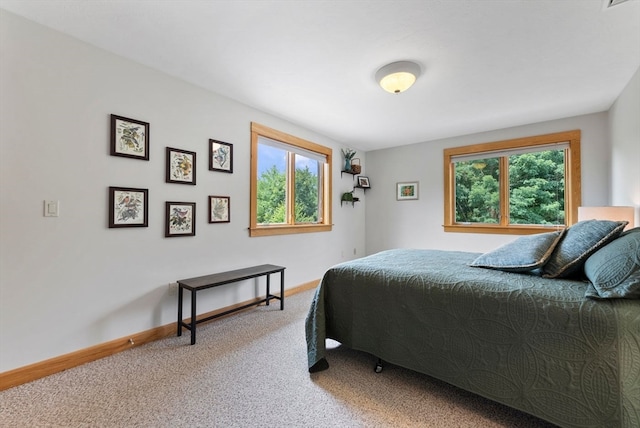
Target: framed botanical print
x=180 y=166
x=220 y=156
x=180 y=219
x=128 y=207
x=129 y=138
x=407 y=191
x=219 y=209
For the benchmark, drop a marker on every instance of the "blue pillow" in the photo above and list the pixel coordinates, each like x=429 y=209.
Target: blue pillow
x=522 y=255
x=614 y=270
x=578 y=243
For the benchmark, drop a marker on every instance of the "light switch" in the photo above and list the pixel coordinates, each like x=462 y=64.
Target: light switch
x=51 y=208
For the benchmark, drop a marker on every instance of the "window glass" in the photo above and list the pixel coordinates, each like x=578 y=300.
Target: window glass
x=536 y=188
x=307 y=185
x=478 y=191
x=272 y=184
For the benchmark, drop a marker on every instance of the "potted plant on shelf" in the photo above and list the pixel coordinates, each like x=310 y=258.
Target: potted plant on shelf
x=348 y=197
x=348 y=155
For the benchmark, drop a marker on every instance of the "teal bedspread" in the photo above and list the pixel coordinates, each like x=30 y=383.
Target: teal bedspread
x=534 y=344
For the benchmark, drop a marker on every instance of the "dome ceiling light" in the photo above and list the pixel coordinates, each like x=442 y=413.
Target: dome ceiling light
x=398 y=76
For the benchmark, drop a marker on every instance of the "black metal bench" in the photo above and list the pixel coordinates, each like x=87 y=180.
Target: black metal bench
x=209 y=281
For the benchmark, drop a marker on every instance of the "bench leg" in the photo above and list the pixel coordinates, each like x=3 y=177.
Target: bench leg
x=268 y=287
x=282 y=290
x=193 y=317
x=180 y=289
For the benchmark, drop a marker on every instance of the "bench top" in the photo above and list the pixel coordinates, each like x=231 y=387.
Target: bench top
x=227 y=277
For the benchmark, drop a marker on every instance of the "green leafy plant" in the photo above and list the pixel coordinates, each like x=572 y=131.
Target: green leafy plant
x=348 y=153
x=348 y=197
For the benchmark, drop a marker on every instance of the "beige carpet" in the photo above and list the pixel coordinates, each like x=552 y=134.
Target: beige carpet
x=247 y=370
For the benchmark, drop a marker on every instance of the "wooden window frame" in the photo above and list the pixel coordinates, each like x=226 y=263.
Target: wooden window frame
x=572 y=183
x=256 y=229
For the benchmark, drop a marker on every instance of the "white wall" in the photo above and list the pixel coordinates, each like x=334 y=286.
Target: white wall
x=418 y=223
x=624 y=120
x=69 y=282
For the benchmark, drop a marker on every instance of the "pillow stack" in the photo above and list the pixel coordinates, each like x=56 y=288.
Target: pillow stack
x=590 y=247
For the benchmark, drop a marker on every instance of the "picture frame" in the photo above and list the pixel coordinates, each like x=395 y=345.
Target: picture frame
x=406 y=191
x=363 y=182
x=220 y=156
x=128 y=207
x=180 y=219
x=219 y=209
x=180 y=166
x=129 y=138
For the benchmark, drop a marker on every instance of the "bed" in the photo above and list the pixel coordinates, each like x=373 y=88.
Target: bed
x=545 y=346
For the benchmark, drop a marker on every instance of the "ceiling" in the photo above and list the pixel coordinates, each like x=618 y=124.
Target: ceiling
x=486 y=64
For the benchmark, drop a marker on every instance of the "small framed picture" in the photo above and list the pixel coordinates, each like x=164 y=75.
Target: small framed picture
x=128 y=207
x=219 y=209
x=181 y=166
x=407 y=191
x=220 y=156
x=129 y=138
x=181 y=219
x=363 y=182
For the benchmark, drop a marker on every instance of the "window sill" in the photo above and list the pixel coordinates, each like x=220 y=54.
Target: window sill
x=288 y=230
x=497 y=229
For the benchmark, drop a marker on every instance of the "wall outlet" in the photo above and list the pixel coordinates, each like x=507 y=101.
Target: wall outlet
x=173 y=288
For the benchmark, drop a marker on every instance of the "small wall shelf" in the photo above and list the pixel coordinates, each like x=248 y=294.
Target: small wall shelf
x=354 y=200
x=353 y=203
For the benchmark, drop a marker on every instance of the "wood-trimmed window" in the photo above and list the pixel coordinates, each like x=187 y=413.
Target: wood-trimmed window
x=521 y=186
x=290 y=184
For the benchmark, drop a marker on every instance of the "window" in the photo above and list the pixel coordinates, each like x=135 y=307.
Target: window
x=290 y=184
x=521 y=186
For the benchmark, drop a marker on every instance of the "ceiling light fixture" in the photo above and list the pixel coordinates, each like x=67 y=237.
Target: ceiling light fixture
x=398 y=76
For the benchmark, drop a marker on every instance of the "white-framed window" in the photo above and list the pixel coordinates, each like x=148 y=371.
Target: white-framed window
x=290 y=184
x=520 y=186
